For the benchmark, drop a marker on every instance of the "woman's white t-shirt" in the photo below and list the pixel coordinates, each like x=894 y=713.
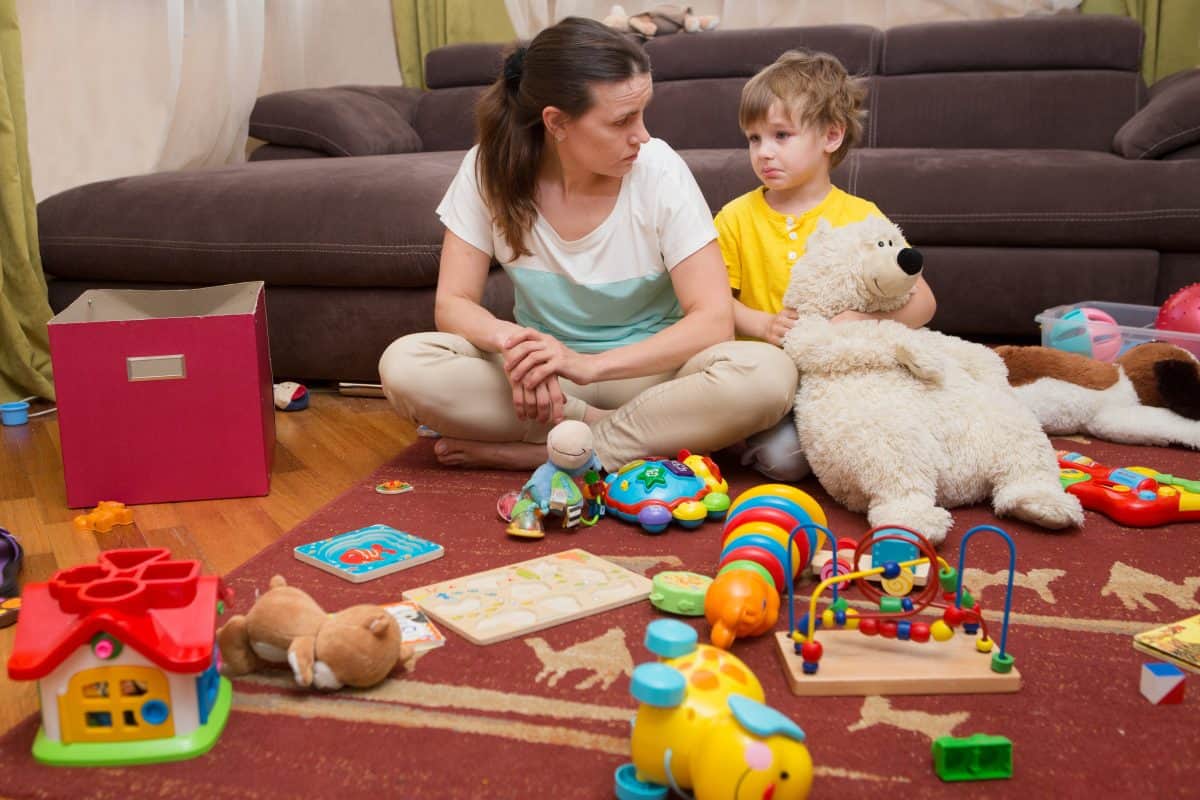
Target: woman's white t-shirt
x=612 y=287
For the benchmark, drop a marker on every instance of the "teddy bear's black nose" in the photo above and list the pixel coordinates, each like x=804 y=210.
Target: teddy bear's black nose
x=910 y=260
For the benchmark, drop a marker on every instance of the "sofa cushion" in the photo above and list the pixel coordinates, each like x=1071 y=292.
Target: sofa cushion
x=1024 y=43
x=474 y=64
x=1032 y=198
x=1069 y=109
x=344 y=222
x=446 y=118
x=741 y=53
x=341 y=120
x=1169 y=122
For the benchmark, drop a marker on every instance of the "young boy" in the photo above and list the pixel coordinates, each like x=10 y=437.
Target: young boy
x=801 y=116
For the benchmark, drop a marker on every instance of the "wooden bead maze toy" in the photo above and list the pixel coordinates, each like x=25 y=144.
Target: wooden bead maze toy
x=893 y=654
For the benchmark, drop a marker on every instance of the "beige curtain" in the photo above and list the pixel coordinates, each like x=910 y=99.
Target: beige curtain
x=530 y=16
x=423 y=25
x=1172 y=32
x=24 y=310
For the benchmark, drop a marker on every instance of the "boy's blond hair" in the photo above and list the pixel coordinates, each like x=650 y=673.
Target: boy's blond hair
x=815 y=89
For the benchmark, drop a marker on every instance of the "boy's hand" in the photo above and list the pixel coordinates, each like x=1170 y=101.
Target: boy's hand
x=778 y=326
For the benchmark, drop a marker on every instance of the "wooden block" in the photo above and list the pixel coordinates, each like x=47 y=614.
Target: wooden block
x=855 y=664
x=498 y=604
x=920 y=571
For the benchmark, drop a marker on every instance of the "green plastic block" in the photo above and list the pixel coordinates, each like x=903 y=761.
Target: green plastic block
x=979 y=757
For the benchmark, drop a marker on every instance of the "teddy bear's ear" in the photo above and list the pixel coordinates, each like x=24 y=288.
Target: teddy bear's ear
x=277 y=581
x=378 y=624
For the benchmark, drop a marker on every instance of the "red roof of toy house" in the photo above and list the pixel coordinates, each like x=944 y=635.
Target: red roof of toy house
x=164 y=609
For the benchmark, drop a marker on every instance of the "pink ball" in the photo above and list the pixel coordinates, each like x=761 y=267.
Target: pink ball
x=1105 y=333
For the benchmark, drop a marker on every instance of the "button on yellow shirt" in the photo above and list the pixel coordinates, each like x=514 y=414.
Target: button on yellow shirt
x=760 y=245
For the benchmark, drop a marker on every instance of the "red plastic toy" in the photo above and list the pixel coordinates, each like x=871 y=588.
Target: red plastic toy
x=1139 y=497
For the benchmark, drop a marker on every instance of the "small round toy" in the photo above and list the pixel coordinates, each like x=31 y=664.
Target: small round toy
x=393 y=487
x=1181 y=312
x=1087 y=331
x=679 y=592
x=14 y=413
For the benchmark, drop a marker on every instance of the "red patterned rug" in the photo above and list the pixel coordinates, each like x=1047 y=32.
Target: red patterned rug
x=547 y=715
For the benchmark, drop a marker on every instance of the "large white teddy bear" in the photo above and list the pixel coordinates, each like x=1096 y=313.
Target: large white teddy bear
x=902 y=423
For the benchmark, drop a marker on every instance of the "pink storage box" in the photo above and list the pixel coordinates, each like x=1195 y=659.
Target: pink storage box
x=164 y=395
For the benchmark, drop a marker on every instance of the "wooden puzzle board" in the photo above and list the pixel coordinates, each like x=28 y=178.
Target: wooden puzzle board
x=509 y=601
x=856 y=664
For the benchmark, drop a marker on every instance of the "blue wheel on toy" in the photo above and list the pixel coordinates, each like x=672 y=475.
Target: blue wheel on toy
x=628 y=787
x=654 y=518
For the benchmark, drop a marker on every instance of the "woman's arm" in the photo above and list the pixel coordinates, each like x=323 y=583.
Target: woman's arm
x=458 y=308
x=915 y=313
x=702 y=288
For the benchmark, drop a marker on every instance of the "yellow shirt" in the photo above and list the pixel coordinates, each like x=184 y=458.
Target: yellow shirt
x=760 y=245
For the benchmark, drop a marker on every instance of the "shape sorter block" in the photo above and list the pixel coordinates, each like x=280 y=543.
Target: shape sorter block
x=1162 y=684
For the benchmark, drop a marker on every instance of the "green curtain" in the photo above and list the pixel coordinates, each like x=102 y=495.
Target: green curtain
x=24 y=309
x=1172 y=32
x=422 y=25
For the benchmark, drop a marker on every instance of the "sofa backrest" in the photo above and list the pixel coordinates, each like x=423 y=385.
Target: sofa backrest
x=1035 y=82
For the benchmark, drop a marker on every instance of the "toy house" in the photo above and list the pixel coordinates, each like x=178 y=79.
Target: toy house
x=123 y=651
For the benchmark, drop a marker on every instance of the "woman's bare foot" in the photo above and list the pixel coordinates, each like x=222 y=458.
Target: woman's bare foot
x=489 y=455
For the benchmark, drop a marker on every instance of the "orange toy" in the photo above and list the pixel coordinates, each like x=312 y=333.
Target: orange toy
x=740 y=602
x=103 y=517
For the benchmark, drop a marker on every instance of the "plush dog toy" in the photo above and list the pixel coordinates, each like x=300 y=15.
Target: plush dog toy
x=1150 y=395
x=661 y=20
x=901 y=423
x=357 y=647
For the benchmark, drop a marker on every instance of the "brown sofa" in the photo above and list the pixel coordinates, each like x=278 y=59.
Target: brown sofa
x=1026 y=158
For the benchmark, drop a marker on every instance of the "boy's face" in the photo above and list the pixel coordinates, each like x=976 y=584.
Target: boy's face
x=787 y=156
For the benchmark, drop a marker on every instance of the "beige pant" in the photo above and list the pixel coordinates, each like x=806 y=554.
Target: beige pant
x=720 y=396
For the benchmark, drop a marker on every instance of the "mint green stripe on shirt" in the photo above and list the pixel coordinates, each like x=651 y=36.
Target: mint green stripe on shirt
x=595 y=317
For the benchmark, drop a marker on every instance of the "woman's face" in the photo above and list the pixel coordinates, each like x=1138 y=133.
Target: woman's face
x=605 y=140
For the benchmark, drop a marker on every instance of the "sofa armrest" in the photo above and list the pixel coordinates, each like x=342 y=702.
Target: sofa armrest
x=340 y=120
x=1169 y=123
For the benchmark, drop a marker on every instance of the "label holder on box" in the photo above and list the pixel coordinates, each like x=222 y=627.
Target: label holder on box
x=156 y=368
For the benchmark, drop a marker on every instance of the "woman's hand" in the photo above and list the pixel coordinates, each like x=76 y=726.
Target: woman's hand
x=779 y=325
x=544 y=402
x=531 y=358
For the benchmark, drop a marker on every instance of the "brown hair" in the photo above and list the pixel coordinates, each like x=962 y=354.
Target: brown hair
x=556 y=69
x=815 y=89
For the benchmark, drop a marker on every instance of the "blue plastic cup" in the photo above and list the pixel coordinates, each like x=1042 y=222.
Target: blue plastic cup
x=14 y=413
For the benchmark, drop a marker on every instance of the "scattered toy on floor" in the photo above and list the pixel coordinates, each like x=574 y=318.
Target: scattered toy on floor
x=889 y=664
x=653 y=492
x=769 y=536
x=12 y=557
x=358 y=646
x=1162 y=684
x=394 y=487
x=900 y=423
x=103 y=517
x=124 y=650
x=554 y=487
x=1139 y=497
x=979 y=757
x=702 y=726
x=1149 y=395
x=290 y=396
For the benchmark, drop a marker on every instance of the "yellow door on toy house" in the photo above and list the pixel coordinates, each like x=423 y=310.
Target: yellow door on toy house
x=116 y=704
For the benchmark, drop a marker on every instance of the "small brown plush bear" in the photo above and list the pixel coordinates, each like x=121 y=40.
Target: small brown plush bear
x=356 y=647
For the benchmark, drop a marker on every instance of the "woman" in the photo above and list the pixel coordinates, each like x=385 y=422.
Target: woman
x=624 y=318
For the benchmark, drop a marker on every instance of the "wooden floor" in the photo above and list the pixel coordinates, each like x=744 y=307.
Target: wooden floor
x=319 y=453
